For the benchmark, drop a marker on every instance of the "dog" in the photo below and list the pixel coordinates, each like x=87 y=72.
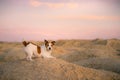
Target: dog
x=33 y=50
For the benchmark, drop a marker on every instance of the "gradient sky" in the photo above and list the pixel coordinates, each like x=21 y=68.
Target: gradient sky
x=59 y=19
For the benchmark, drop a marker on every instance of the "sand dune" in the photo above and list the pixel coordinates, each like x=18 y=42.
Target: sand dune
x=76 y=60
x=51 y=69
x=107 y=64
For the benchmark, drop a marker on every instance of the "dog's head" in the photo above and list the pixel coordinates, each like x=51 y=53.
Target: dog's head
x=49 y=45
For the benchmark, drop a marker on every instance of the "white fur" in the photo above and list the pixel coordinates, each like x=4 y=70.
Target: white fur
x=31 y=50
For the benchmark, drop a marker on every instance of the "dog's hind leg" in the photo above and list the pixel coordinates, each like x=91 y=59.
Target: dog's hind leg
x=29 y=57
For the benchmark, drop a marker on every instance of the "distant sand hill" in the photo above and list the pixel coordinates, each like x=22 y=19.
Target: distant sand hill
x=76 y=60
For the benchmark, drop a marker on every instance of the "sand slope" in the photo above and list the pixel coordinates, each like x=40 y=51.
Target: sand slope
x=51 y=69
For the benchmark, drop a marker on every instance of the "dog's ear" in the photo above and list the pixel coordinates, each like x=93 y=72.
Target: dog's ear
x=53 y=42
x=45 y=41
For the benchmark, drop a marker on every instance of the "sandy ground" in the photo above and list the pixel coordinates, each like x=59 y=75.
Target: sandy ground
x=76 y=60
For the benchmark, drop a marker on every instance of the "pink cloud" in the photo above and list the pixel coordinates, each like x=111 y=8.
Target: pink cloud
x=79 y=17
x=73 y=17
x=36 y=3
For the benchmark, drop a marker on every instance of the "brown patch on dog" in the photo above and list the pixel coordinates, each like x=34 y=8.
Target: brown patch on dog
x=53 y=42
x=38 y=49
x=25 y=43
x=46 y=43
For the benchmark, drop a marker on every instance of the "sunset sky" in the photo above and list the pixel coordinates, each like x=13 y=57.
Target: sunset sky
x=59 y=19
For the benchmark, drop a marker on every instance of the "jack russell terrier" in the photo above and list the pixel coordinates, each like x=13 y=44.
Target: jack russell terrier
x=32 y=49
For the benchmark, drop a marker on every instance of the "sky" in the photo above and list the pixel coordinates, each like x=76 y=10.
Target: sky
x=59 y=19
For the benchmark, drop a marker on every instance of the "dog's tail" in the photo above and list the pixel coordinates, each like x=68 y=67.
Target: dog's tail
x=25 y=43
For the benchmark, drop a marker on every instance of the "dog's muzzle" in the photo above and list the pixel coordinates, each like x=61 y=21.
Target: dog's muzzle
x=49 y=48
